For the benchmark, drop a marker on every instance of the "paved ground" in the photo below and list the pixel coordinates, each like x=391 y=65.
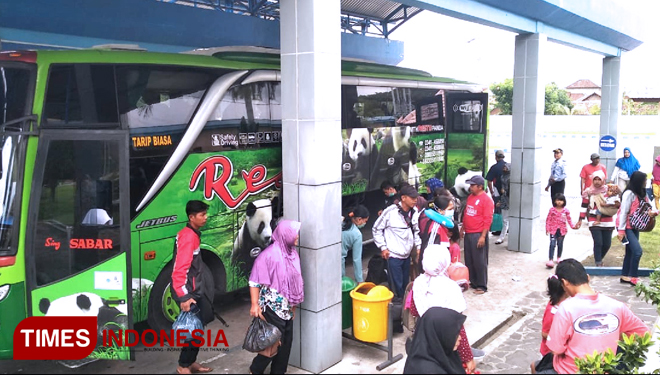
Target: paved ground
x=517 y=306
x=514 y=350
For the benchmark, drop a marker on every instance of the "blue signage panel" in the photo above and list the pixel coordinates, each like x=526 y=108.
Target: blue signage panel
x=607 y=143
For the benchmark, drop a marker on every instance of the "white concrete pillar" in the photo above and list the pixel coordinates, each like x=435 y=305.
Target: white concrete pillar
x=311 y=162
x=610 y=109
x=528 y=108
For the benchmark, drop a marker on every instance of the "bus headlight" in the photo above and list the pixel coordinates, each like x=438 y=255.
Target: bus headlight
x=4 y=291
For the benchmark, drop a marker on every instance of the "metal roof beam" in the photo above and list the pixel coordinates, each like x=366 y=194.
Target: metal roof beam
x=596 y=37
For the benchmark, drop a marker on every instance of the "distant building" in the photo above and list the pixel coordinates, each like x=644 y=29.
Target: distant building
x=584 y=95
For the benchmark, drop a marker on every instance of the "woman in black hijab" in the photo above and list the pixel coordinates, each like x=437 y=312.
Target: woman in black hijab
x=433 y=348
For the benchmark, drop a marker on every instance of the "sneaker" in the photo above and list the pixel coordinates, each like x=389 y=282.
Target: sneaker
x=550 y=264
x=558 y=261
x=478 y=353
x=498 y=242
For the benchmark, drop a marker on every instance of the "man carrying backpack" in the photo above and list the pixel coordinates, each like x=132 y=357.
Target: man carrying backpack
x=396 y=233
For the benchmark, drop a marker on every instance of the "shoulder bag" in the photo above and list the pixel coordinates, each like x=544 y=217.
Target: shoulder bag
x=640 y=219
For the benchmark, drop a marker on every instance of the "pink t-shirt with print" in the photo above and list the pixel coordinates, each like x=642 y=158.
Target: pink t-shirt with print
x=586 y=323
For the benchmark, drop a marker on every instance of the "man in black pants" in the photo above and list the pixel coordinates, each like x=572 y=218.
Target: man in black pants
x=187 y=281
x=557 y=180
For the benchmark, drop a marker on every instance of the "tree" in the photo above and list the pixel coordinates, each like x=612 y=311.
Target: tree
x=557 y=101
x=503 y=93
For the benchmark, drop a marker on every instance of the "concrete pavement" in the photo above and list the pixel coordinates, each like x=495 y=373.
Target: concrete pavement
x=505 y=321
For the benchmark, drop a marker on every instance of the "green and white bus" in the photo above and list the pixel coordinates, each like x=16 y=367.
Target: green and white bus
x=101 y=150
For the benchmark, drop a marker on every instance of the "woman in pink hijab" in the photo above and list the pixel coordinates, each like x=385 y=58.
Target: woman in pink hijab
x=276 y=288
x=601 y=230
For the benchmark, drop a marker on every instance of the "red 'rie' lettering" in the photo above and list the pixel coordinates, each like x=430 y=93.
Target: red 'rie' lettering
x=255 y=180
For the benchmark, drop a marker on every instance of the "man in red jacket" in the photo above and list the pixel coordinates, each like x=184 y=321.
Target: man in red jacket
x=187 y=281
x=477 y=219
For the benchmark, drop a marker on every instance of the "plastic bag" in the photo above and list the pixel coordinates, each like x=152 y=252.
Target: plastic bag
x=260 y=335
x=188 y=321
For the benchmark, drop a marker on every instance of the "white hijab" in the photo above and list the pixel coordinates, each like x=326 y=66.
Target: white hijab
x=434 y=288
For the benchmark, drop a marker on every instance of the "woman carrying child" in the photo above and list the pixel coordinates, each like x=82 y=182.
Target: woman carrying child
x=601 y=232
x=555 y=227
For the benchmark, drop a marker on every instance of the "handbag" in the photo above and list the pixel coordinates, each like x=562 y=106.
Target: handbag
x=640 y=219
x=409 y=314
x=261 y=336
x=497 y=224
x=187 y=322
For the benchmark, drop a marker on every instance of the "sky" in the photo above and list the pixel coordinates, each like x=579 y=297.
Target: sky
x=485 y=55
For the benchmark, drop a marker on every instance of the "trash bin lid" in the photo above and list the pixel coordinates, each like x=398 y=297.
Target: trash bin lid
x=369 y=292
x=347 y=284
x=379 y=292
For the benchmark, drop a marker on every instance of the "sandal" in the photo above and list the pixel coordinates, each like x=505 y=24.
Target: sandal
x=479 y=291
x=196 y=368
x=183 y=370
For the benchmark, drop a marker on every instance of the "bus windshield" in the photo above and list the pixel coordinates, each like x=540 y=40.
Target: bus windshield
x=14 y=99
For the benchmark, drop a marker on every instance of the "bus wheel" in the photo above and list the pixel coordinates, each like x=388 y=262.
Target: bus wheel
x=163 y=307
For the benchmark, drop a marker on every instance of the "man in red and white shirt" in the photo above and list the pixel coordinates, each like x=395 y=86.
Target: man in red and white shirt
x=589 y=169
x=588 y=321
x=477 y=218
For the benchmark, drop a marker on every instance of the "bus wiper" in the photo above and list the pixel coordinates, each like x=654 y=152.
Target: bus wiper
x=4 y=126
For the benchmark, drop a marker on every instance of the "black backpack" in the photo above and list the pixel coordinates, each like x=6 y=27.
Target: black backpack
x=377 y=270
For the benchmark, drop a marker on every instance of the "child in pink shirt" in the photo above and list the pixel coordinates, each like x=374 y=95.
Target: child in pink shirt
x=555 y=227
x=557 y=295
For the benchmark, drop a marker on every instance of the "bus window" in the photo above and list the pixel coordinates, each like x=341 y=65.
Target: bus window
x=14 y=89
x=243 y=119
x=161 y=96
x=156 y=103
x=78 y=219
x=14 y=85
x=80 y=94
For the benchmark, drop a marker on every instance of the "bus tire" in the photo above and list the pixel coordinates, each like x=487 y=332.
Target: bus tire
x=163 y=308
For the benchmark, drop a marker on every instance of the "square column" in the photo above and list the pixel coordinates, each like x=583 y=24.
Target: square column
x=610 y=109
x=528 y=108
x=311 y=168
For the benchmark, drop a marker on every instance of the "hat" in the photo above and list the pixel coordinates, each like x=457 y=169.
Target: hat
x=499 y=153
x=558 y=150
x=410 y=191
x=475 y=180
x=595 y=156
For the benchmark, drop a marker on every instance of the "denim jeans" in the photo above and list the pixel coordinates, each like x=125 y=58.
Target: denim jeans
x=633 y=254
x=399 y=270
x=602 y=243
x=556 y=239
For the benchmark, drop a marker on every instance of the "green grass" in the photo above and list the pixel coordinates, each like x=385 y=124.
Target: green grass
x=650 y=244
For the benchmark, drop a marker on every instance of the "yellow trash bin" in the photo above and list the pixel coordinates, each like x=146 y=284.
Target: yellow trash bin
x=370 y=312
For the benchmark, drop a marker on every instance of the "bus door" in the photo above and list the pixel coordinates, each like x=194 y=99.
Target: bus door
x=465 y=148
x=78 y=233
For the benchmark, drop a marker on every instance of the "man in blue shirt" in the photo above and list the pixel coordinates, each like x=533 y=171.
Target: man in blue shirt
x=557 y=180
x=494 y=177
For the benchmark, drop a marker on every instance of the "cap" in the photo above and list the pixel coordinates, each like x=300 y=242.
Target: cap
x=475 y=180
x=499 y=153
x=410 y=191
x=595 y=156
x=558 y=150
